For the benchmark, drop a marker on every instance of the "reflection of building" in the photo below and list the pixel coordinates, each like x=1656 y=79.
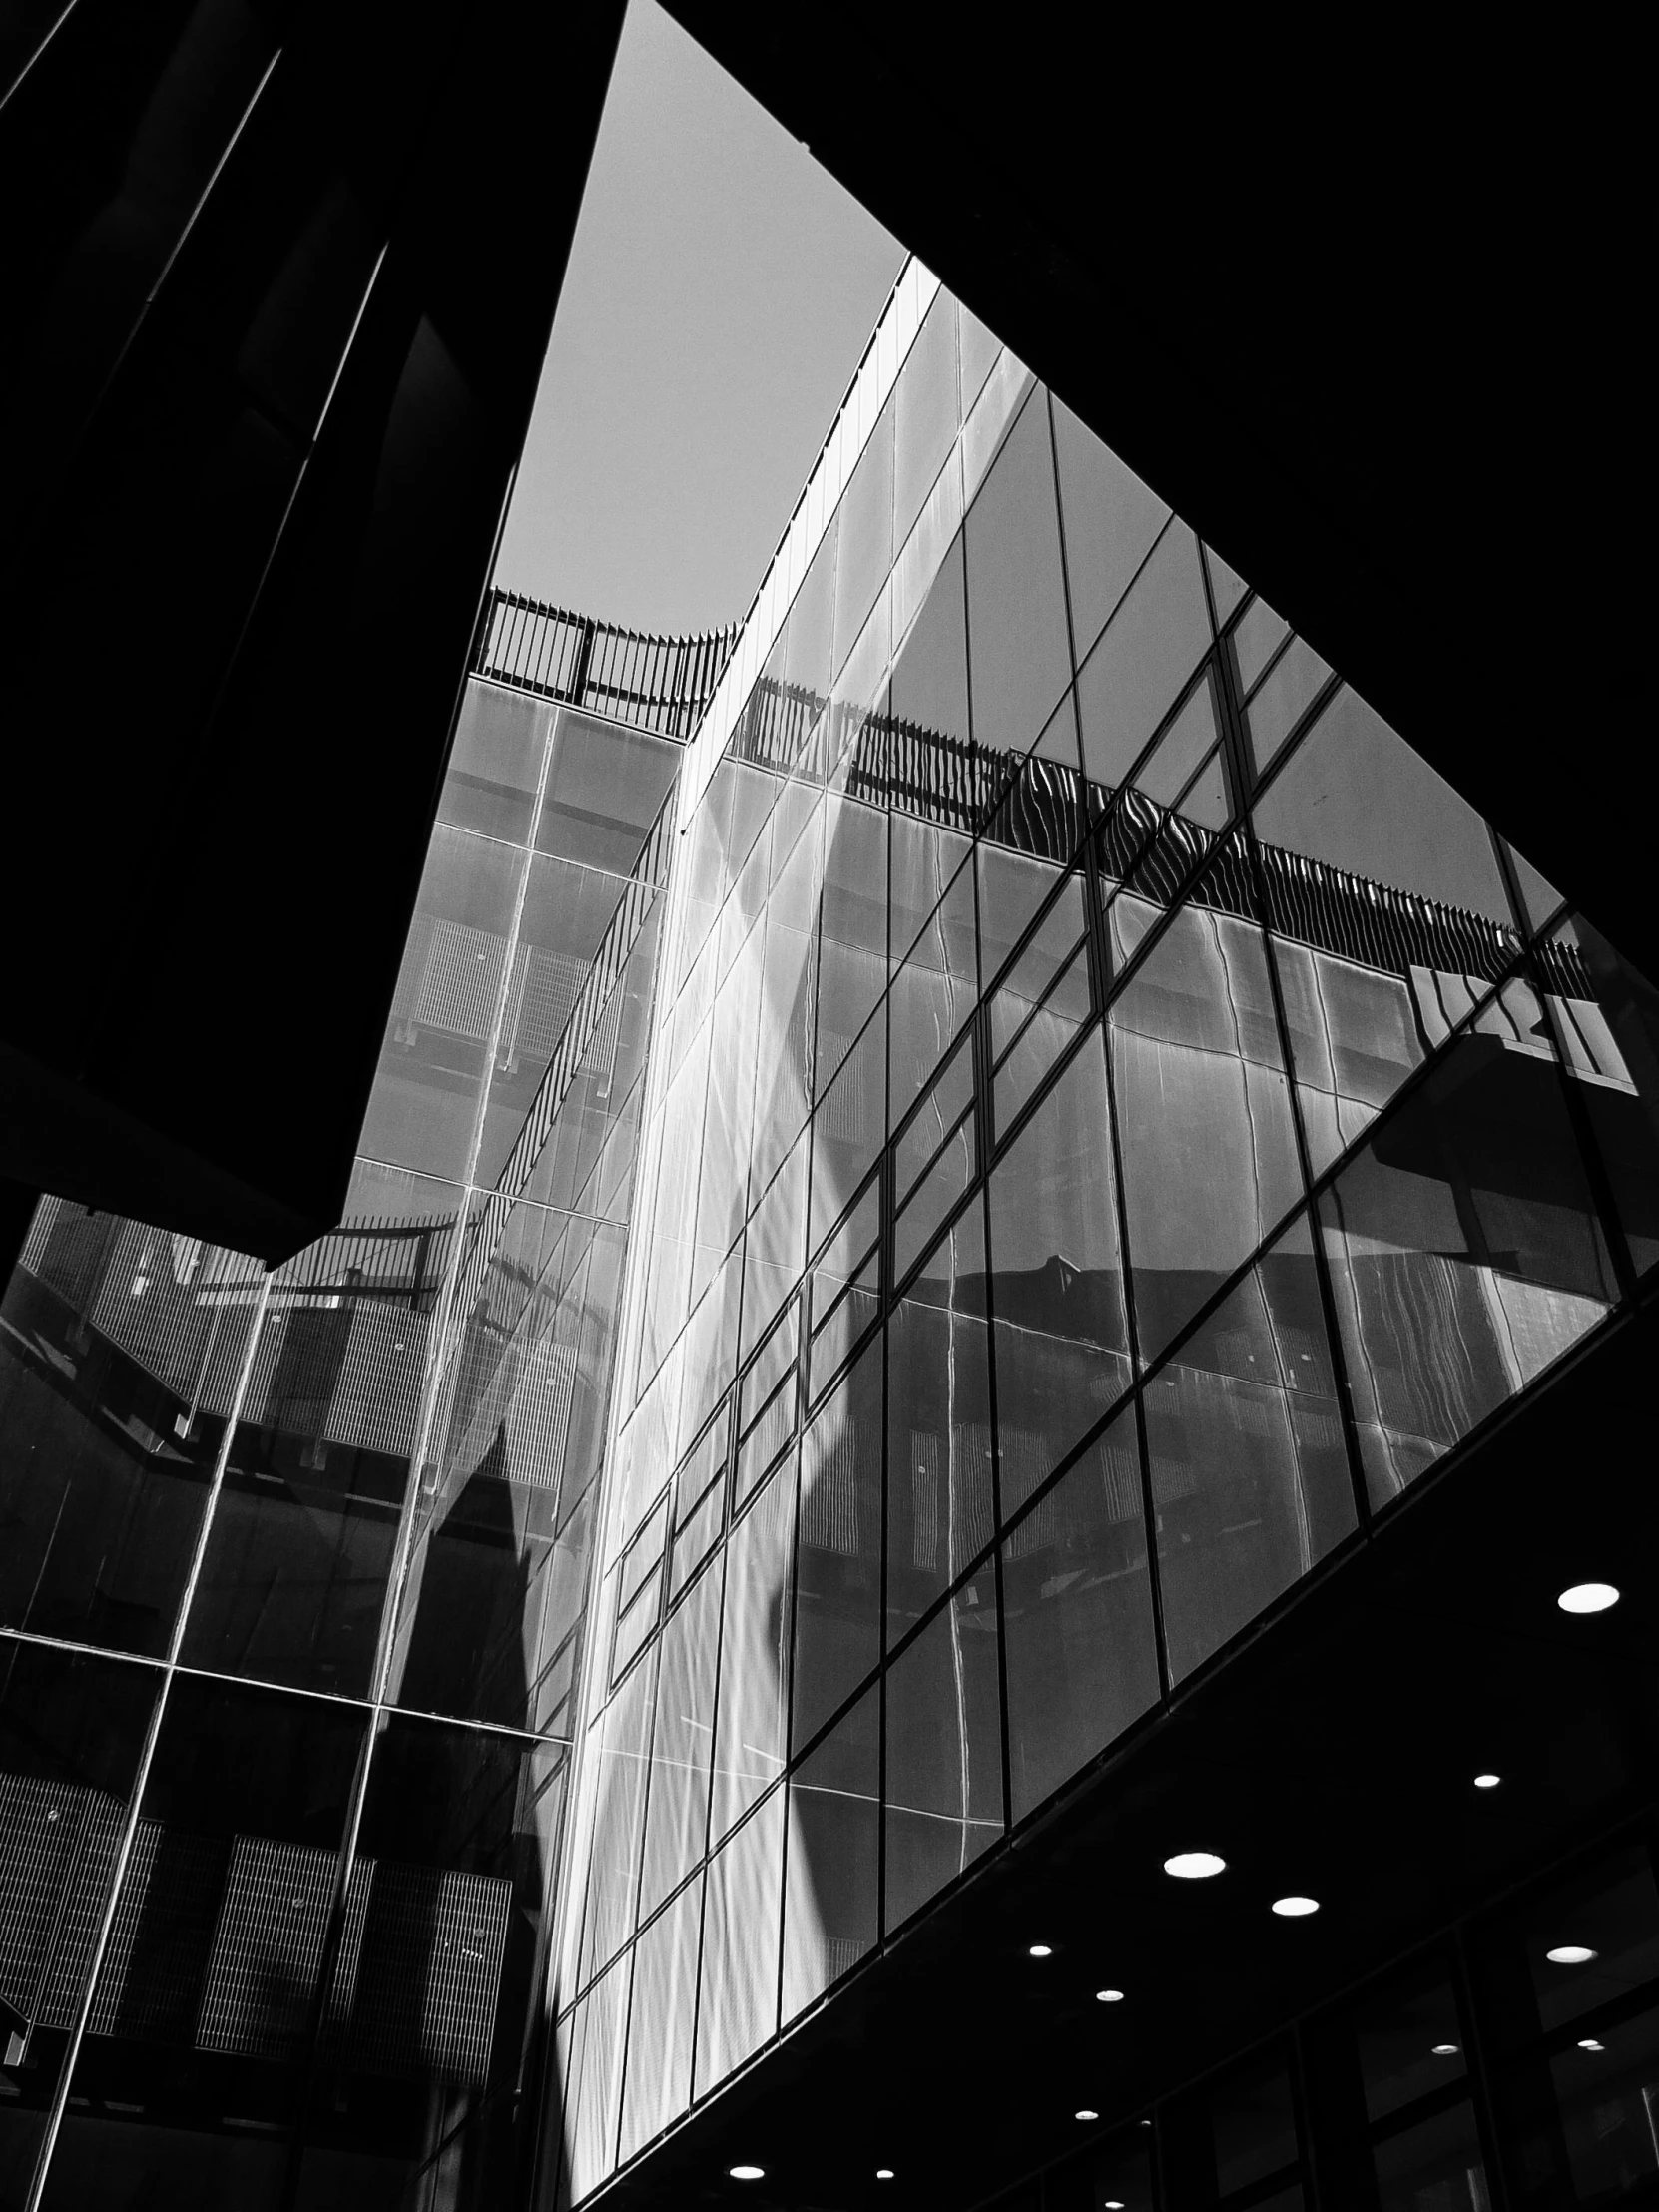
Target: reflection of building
x=968 y=1196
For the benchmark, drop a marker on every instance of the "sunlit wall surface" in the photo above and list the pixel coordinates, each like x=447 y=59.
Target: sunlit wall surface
x=294 y=1566
x=1116 y=1119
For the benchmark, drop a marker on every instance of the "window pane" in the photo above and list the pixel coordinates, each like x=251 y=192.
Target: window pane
x=927 y=410
x=783 y=1085
x=738 y=2008
x=811 y=624
x=838 y=1606
x=1043 y=956
x=1286 y=693
x=1356 y=796
x=1012 y=885
x=945 y=1750
x=865 y=552
x=940 y=1514
x=1209 y=1149
x=934 y=1198
x=1257 y=637
x=1464 y=1254
x=932 y=995
x=657 y=2086
x=605 y=786
x=1356 y=1035
x=1045 y=1036
x=1436 y=2162
x=1123 y=2174
x=852 y=959
x=1077 y=1618
x=1604 y=1017
x=1016 y=594
x=851 y=1123
x=775 y=1250
x=940 y=1110
x=676 y=1810
x=1250 y=1476
x=930 y=678
x=1062 y=1345
x=495 y=763
x=1409 y=2039
x=1607 y=2100
x=612 y=1865
x=1111 y=522
x=754 y=1651
x=1152 y=644
x=830 y=1906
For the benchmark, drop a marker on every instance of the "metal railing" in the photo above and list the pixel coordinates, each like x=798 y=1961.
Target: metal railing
x=650 y=683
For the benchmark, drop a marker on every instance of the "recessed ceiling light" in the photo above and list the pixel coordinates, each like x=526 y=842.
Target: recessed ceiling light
x=1588 y=1597
x=884 y=2173
x=1570 y=1954
x=1086 y=2115
x=1108 y=1996
x=1040 y=1950
x=1487 y=1781
x=1114 y=2204
x=1195 y=1865
x=746 y=2173
x=1589 y=2044
x=1444 y=2050
x=1294 y=1909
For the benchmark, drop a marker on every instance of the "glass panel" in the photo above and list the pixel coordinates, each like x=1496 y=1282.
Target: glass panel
x=1123 y=2175
x=1166 y=771
x=1287 y=691
x=1608 y=2100
x=1250 y=2123
x=829 y=1904
x=852 y=958
x=980 y=351
x=657 y=2086
x=612 y=1865
x=597 y=2087
x=1250 y=1476
x=1012 y=885
x=940 y=1110
x=927 y=410
x=752 y=1720
x=1152 y=644
x=1042 y=958
x=1082 y=1655
x=1209 y=1149
x=1605 y=1020
x=721 y=1174
x=865 y=552
x=119 y=1362
x=1111 y=523
x=1046 y=1035
x=849 y=1124
x=605 y=788
x=926 y=861
x=1540 y=900
x=1436 y=2162
x=495 y=763
x=1016 y=593
x=811 y=624
x=934 y=1198
x=1225 y=587
x=1409 y=2040
x=1355 y=1034
x=72 y=1731
x=932 y=995
x=939 y=1500
x=677 y=1811
x=775 y=1252
x=944 y=1749
x=783 y=1085
x=838 y=1602
x=930 y=678
x=1062 y=1346
x=738 y=2008
x=1257 y=637
x=1613 y=1912
x=212 y=1972
x=1354 y=797
x=1464 y=1254
x=840 y=1329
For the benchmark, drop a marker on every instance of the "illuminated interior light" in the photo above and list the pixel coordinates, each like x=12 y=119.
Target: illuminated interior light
x=1588 y=1597
x=1195 y=1865
x=1294 y=1909
x=1108 y=1996
x=1570 y=1954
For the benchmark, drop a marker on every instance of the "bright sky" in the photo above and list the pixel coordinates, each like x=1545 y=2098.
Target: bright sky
x=721 y=290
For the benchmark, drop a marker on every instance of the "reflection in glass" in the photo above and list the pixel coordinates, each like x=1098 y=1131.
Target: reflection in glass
x=838 y=1606
x=1249 y=1478
x=1208 y=1150
x=753 y=1718
x=944 y=1749
x=1156 y=638
x=830 y=1905
x=939 y=1510
x=682 y=1748
x=1604 y=1016
x=1435 y=2161
x=933 y=994
x=657 y=2086
x=1063 y=1343
x=1111 y=523
x=1464 y=1253
x=1016 y=594
x=623 y=1741
x=737 y=1997
x=1409 y=2039
x=1082 y=1658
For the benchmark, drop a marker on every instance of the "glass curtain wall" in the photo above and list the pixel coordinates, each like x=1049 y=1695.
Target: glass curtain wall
x=1116 y=1120
x=290 y=1607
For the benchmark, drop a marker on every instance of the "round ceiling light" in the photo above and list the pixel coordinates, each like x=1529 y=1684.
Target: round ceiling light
x=1108 y=1996
x=1195 y=1865
x=1570 y=1954
x=1487 y=1781
x=1086 y=2115
x=1040 y=1950
x=1443 y=2051
x=1588 y=1597
x=884 y=2173
x=1589 y=2044
x=1294 y=1909
x=746 y=2173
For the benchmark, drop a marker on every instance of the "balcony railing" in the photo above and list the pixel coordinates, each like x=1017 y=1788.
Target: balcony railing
x=649 y=683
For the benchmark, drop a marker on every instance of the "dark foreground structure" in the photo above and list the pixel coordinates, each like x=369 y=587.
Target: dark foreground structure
x=855 y=1483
